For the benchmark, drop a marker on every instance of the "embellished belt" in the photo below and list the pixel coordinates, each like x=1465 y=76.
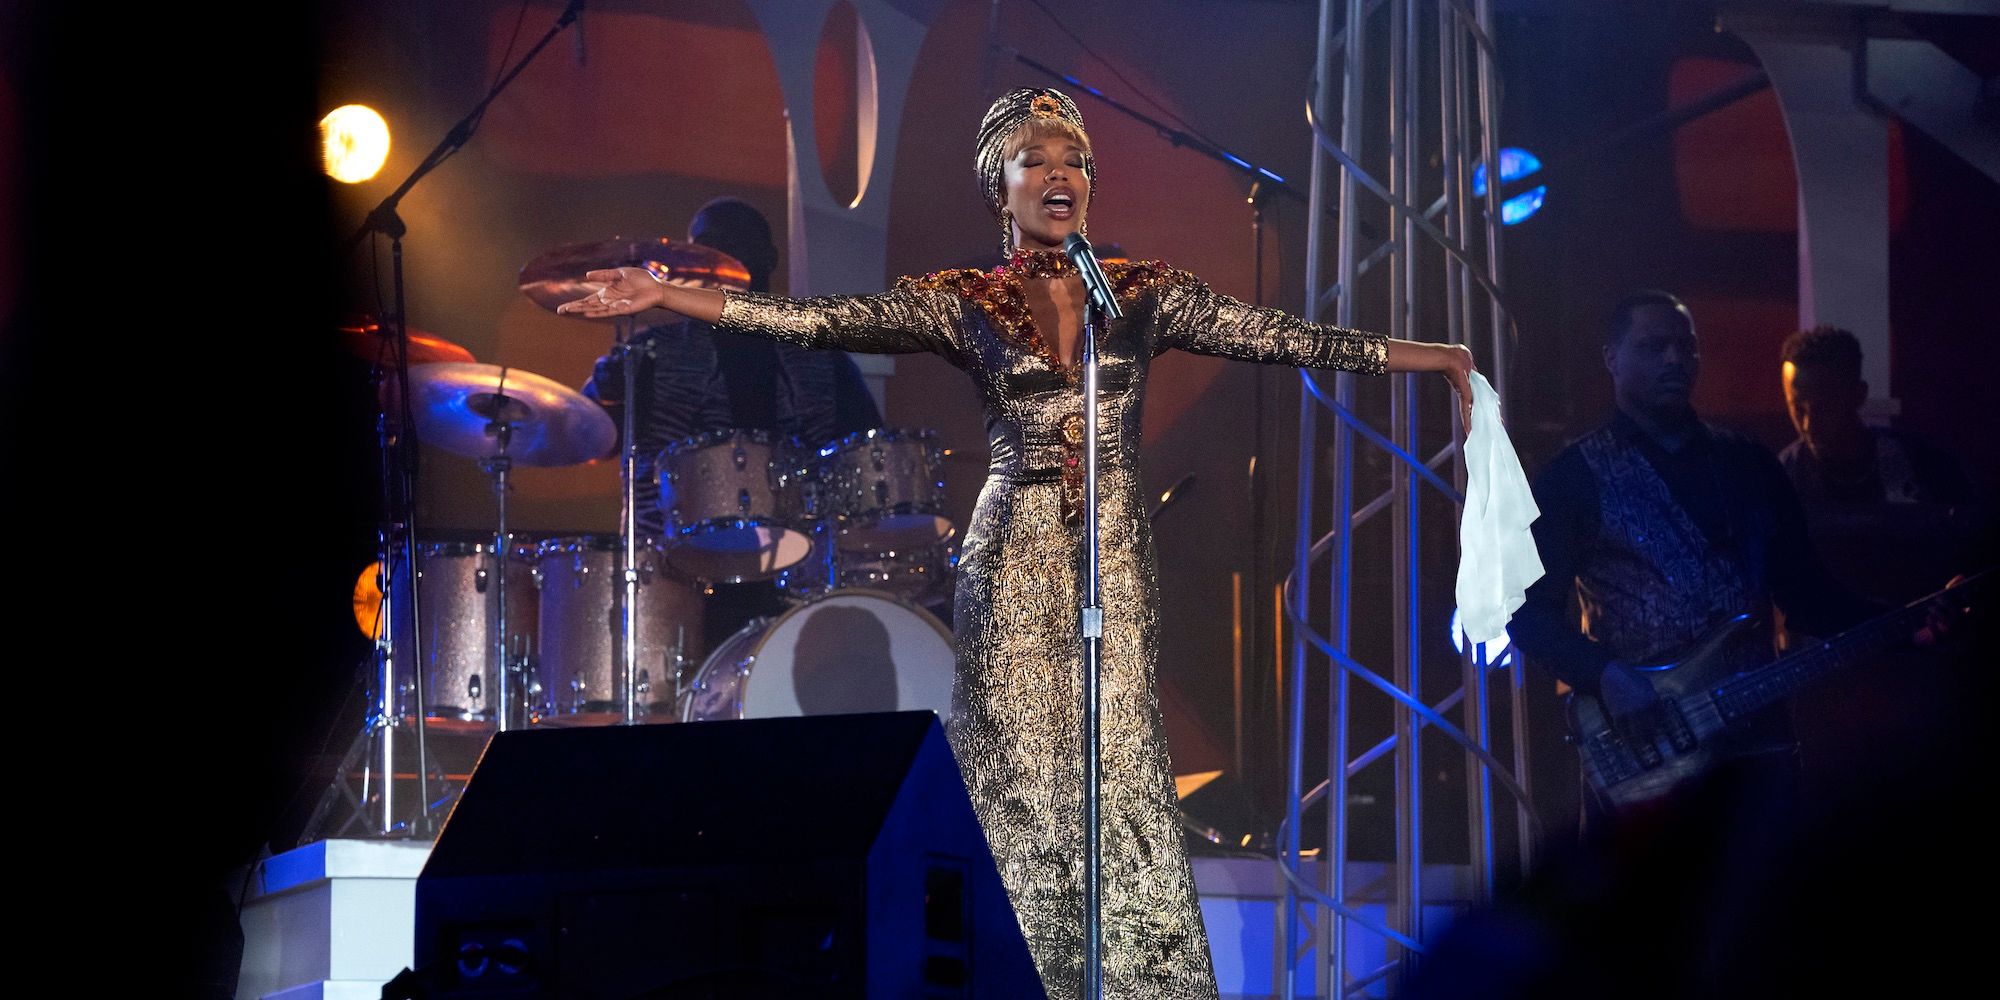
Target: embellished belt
x=1026 y=476
x=1052 y=474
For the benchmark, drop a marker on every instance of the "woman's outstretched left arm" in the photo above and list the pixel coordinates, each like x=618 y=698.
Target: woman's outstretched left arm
x=1194 y=318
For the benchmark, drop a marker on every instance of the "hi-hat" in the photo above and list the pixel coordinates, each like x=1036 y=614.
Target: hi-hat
x=371 y=341
x=459 y=407
x=556 y=277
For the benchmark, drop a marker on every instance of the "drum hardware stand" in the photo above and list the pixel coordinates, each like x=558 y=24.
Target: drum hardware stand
x=830 y=559
x=384 y=220
x=396 y=574
x=378 y=779
x=676 y=667
x=528 y=672
x=1100 y=306
x=628 y=522
x=498 y=465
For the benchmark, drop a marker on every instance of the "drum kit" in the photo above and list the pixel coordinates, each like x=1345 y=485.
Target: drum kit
x=607 y=629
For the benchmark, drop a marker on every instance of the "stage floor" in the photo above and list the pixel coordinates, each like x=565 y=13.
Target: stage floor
x=334 y=919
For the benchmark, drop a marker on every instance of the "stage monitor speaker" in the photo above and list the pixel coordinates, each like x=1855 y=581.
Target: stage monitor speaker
x=822 y=856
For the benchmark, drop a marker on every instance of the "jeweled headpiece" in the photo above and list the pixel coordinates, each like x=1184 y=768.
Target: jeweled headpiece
x=1006 y=115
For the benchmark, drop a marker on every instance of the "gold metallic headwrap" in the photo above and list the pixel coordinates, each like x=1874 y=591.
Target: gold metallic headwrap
x=1006 y=115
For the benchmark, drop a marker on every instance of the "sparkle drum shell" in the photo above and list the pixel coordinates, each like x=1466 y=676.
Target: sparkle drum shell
x=885 y=489
x=459 y=594
x=737 y=504
x=578 y=677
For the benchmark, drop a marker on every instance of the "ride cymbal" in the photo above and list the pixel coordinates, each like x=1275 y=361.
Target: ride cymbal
x=462 y=407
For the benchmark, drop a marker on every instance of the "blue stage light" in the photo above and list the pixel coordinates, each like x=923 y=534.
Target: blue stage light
x=1514 y=165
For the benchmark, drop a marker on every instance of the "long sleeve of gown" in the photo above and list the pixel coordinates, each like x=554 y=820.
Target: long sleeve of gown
x=902 y=321
x=1195 y=318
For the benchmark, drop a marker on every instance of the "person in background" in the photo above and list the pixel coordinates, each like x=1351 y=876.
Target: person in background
x=1660 y=526
x=1892 y=515
x=694 y=378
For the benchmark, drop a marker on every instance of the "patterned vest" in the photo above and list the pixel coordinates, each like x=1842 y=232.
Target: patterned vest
x=1654 y=583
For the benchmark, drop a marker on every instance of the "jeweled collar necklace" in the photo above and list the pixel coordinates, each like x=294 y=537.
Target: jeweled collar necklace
x=1026 y=263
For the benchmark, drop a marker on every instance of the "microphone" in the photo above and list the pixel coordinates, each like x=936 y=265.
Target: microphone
x=1095 y=284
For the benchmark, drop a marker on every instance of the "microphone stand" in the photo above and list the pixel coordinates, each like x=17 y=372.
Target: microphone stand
x=1100 y=306
x=384 y=220
x=1092 y=623
x=403 y=579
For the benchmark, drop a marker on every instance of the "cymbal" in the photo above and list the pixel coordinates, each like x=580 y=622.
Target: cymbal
x=457 y=403
x=368 y=600
x=369 y=341
x=556 y=277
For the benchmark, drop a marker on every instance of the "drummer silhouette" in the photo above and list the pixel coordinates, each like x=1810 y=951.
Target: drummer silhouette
x=694 y=379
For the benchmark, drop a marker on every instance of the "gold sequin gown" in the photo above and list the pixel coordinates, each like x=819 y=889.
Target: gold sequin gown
x=1016 y=699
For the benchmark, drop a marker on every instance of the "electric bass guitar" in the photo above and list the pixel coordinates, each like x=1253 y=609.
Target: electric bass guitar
x=1705 y=696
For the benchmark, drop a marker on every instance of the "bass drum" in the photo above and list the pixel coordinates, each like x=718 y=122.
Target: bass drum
x=842 y=652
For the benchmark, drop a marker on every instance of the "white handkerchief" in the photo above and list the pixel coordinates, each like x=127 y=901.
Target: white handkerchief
x=1497 y=560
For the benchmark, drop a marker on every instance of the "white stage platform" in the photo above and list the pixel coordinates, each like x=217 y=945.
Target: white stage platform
x=334 y=920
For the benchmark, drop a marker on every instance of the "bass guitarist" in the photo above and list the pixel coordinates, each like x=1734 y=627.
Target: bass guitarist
x=1662 y=527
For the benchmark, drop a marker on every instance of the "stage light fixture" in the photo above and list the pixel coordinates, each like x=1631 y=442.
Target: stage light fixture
x=1514 y=165
x=354 y=142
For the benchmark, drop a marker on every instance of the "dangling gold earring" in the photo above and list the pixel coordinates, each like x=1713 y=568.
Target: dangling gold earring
x=1083 y=228
x=1006 y=235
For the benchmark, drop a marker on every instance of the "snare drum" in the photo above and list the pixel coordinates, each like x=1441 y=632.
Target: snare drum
x=459 y=592
x=886 y=488
x=579 y=680
x=846 y=651
x=735 y=502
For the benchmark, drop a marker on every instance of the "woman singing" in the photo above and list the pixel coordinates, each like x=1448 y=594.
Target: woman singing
x=1017 y=697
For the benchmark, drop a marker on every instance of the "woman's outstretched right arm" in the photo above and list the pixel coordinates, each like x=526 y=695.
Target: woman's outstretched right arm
x=902 y=321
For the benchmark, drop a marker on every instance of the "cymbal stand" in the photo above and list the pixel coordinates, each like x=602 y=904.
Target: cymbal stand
x=628 y=522
x=498 y=465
